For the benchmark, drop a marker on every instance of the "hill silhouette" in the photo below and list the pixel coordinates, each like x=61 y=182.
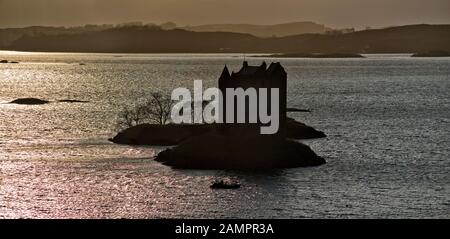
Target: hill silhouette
x=150 y=39
x=9 y=35
x=278 y=30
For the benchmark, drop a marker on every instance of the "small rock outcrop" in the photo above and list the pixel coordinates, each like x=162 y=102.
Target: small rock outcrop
x=299 y=130
x=73 y=101
x=29 y=101
x=6 y=61
x=291 y=110
x=159 y=135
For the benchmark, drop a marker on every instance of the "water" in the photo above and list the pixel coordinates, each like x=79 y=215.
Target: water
x=387 y=118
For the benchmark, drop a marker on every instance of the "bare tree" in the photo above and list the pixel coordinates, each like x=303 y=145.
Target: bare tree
x=129 y=117
x=155 y=110
x=158 y=108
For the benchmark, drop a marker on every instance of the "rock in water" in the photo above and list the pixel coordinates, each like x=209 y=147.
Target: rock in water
x=73 y=101
x=298 y=130
x=216 y=151
x=163 y=135
x=29 y=101
x=290 y=110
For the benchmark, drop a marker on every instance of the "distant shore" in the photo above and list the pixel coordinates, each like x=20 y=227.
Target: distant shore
x=146 y=39
x=432 y=54
x=313 y=55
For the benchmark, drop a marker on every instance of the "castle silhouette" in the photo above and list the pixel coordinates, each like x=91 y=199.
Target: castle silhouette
x=256 y=77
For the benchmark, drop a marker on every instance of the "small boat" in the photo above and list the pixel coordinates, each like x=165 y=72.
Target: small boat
x=225 y=184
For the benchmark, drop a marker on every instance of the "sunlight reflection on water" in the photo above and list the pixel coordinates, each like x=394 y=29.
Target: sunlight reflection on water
x=387 y=118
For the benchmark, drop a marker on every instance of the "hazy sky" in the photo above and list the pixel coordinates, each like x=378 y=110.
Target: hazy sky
x=334 y=13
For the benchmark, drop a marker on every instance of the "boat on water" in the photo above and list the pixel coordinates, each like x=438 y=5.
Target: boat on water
x=225 y=184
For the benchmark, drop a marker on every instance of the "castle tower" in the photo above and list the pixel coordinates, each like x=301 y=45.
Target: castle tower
x=255 y=77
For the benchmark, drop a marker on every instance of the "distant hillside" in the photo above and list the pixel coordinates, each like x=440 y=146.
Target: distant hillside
x=9 y=35
x=402 y=39
x=137 y=39
x=279 y=30
x=145 y=39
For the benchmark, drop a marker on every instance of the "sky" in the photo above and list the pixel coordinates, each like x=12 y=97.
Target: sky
x=333 y=13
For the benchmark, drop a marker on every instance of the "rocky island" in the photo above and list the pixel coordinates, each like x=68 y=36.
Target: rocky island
x=173 y=134
x=233 y=146
x=29 y=101
x=218 y=151
x=203 y=146
x=6 y=61
x=37 y=101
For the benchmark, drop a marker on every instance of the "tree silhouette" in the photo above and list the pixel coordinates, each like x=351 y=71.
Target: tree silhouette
x=154 y=110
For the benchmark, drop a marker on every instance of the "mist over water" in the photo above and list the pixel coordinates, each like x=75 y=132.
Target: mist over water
x=387 y=118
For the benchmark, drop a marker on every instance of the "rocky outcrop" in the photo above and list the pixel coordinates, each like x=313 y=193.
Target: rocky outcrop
x=203 y=146
x=73 y=101
x=173 y=134
x=6 y=61
x=298 y=130
x=216 y=151
x=36 y=101
x=29 y=101
x=160 y=135
x=290 y=110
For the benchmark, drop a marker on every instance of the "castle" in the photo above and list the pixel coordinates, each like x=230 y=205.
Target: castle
x=256 y=77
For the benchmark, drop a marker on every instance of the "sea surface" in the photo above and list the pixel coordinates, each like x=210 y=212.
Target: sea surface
x=387 y=118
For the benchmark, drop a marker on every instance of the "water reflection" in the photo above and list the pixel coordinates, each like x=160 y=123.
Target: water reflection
x=387 y=150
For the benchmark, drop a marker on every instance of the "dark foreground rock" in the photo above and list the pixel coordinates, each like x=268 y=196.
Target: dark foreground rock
x=216 y=151
x=173 y=134
x=29 y=101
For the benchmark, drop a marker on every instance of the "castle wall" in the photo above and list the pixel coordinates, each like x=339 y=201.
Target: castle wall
x=255 y=77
